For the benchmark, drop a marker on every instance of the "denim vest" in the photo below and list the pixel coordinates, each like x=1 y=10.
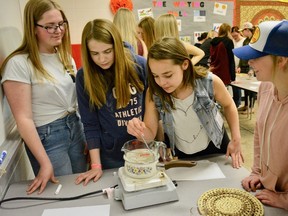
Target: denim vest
x=204 y=107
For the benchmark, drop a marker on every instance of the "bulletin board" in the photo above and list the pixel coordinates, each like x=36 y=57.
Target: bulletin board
x=193 y=17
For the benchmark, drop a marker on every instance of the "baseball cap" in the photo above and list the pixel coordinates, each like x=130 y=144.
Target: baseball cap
x=269 y=38
x=246 y=25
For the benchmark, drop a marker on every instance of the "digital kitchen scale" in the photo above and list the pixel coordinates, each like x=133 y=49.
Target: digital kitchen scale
x=137 y=193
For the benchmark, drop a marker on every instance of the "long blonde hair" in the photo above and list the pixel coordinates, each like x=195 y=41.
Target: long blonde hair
x=166 y=26
x=147 y=25
x=123 y=68
x=33 y=12
x=125 y=22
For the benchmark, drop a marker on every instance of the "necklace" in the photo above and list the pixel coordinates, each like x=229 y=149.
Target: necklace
x=185 y=111
x=195 y=136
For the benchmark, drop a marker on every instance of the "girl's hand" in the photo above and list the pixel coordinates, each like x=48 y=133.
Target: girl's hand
x=94 y=173
x=40 y=181
x=274 y=199
x=136 y=128
x=251 y=183
x=234 y=150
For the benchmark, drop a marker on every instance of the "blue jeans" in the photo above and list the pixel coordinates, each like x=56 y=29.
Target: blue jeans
x=236 y=96
x=64 y=142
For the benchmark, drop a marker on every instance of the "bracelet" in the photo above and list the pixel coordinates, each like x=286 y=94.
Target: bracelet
x=96 y=166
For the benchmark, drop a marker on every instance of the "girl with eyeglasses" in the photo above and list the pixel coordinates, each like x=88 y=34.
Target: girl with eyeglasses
x=38 y=81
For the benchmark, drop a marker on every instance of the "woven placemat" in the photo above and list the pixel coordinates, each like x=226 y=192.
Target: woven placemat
x=229 y=201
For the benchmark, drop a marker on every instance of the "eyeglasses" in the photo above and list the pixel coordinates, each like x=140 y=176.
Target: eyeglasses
x=53 y=28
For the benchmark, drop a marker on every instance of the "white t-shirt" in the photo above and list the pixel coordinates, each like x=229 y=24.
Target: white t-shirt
x=50 y=99
x=236 y=45
x=191 y=136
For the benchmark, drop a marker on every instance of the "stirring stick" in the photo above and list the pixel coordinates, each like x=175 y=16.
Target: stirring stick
x=146 y=144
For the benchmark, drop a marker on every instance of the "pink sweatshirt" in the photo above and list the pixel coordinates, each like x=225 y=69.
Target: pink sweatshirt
x=271 y=139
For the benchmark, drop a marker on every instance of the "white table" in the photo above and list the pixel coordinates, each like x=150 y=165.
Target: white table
x=188 y=191
x=243 y=81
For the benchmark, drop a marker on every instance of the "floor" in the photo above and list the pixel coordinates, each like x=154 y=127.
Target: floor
x=247 y=136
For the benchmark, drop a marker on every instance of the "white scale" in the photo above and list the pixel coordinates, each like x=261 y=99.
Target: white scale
x=136 y=193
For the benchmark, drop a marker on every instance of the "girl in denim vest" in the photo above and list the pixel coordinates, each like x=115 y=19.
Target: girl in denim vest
x=185 y=102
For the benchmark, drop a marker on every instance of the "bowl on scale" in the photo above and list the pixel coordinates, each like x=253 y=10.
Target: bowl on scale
x=141 y=158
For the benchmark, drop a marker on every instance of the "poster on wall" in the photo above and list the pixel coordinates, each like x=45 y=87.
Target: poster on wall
x=199 y=16
x=220 y=9
x=144 y=13
x=216 y=26
x=192 y=16
x=185 y=39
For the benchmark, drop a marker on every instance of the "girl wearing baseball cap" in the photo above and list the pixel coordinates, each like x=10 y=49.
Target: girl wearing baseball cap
x=267 y=53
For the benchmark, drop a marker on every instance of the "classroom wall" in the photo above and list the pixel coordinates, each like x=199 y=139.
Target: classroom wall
x=78 y=14
x=81 y=12
x=243 y=10
x=259 y=11
x=193 y=17
x=16 y=166
x=10 y=38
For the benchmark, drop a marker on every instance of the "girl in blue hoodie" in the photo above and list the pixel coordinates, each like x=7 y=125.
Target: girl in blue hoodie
x=110 y=89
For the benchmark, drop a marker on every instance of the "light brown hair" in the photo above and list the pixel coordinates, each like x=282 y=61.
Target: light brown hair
x=124 y=68
x=224 y=30
x=147 y=25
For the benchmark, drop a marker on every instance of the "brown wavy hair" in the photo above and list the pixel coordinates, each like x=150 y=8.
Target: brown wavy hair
x=170 y=48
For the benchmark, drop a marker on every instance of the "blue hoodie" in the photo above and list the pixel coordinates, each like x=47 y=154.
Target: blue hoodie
x=106 y=128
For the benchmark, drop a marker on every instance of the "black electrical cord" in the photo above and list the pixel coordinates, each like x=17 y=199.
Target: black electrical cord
x=50 y=198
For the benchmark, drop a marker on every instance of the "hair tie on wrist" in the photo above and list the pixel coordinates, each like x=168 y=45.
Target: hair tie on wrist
x=96 y=166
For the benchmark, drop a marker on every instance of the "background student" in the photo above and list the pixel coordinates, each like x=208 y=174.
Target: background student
x=110 y=89
x=222 y=59
x=125 y=21
x=166 y=26
x=238 y=42
x=201 y=39
x=146 y=30
x=205 y=46
x=185 y=102
x=243 y=66
x=38 y=81
x=268 y=54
